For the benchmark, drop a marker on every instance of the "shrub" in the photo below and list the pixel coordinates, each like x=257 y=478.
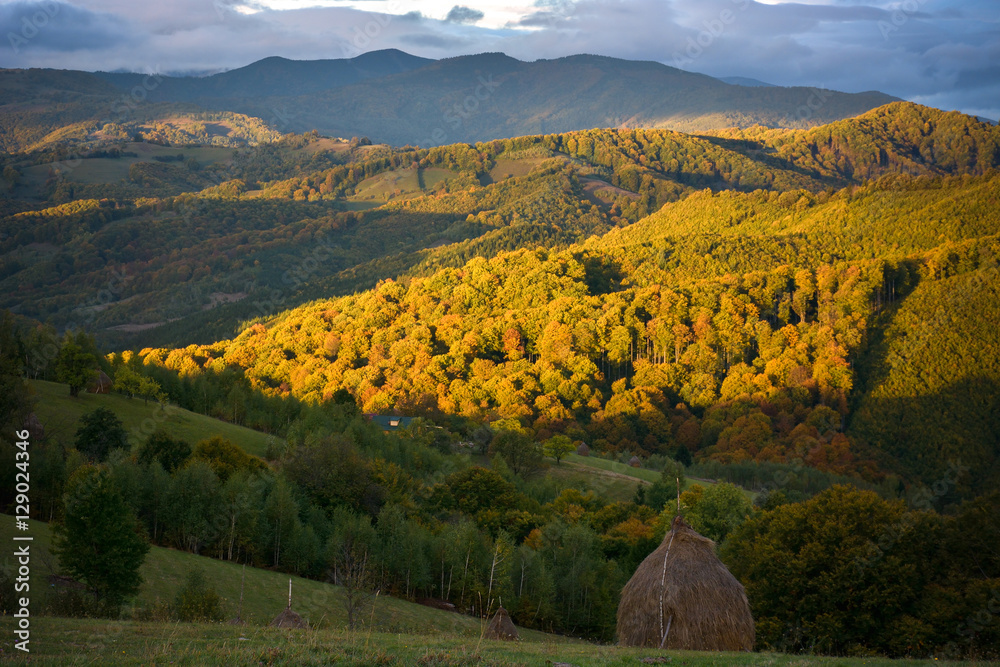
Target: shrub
x=197 y=600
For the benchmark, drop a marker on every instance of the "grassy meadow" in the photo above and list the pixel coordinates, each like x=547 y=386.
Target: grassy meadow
x=265 y=593
x=64 y=641
x=60 y=413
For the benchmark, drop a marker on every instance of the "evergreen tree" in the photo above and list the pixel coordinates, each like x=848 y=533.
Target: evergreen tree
x=99 y=540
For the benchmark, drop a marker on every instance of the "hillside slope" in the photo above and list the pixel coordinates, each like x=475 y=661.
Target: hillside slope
x=752 y=309
x=247 y=247
x=265 y=592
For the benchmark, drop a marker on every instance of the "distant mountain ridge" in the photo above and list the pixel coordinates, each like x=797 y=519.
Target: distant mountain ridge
x=450 y=101
x=396 y=98
x=745 y=81
x=274 y=76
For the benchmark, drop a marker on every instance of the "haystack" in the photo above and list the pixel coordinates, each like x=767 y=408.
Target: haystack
x=635 y=462
x=683 y=597
x=501 y=627
x=289 y=619
x=100 y=384
x=582 y=449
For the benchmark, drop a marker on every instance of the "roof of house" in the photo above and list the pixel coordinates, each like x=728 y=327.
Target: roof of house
x=391 y=422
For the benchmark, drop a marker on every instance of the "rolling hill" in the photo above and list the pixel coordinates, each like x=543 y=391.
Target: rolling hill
x=197 y=264
x=809 y=312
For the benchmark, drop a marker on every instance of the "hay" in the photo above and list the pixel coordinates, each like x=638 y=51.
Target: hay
x=501 y=627
x=682 y=590
x=583 y=449
x=289 y=619
x=635 y=462
x=100 y=384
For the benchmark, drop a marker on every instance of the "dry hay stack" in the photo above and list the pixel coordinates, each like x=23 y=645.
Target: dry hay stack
x=501 y=627
x=682 y=590
x=289 y=619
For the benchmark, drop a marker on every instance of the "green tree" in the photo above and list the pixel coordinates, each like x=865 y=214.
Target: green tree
x=349 y=551
x=160 y=446
x=683 y=456
x=193 y=515
x=242 y=498
x=521 y=453
x=131 y=383
x=226 y=457
x=99 y=540
x=664 y=490
x=478 y=489
x=76 y=363
x=830 y=574
x=719 y=509
x=15 y=400
x=99 y=433
x=558 y=446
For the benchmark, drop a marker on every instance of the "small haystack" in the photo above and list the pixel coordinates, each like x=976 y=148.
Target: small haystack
x=101 y=384
x=683 y=597
x=34 y=426
x=501 y=627
x=583 y=449
x=288 y=618
x=635 y=462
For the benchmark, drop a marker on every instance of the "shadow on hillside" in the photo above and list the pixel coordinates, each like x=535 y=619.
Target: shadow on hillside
x=758 y=152
x=948 y=440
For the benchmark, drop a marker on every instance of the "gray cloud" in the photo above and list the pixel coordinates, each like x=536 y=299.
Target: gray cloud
x=435 y=41
x=30 y=25
x=460 y=14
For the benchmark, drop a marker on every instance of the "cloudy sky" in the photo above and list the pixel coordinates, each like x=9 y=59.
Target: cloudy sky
x=944 y=53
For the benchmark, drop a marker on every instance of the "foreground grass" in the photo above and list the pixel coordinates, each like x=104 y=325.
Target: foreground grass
x=65 y=641
x=60 y=414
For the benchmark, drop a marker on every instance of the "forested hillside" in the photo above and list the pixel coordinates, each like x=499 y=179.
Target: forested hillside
x=736 y=338
x=262 y=229
x=808 y=313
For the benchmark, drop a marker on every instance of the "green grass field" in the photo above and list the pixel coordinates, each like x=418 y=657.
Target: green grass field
x=112 y=170
x=611 y=485
x=619 y=470
x=397 y=184
x=507 y=167
x=613 y=466
x=60 y=414
x=66 y=641
x=265 y=592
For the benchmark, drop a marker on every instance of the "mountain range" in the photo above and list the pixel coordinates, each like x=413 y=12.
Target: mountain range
x=396 y=98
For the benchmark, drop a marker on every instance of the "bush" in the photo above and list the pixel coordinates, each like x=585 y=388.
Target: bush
x=197 y=600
